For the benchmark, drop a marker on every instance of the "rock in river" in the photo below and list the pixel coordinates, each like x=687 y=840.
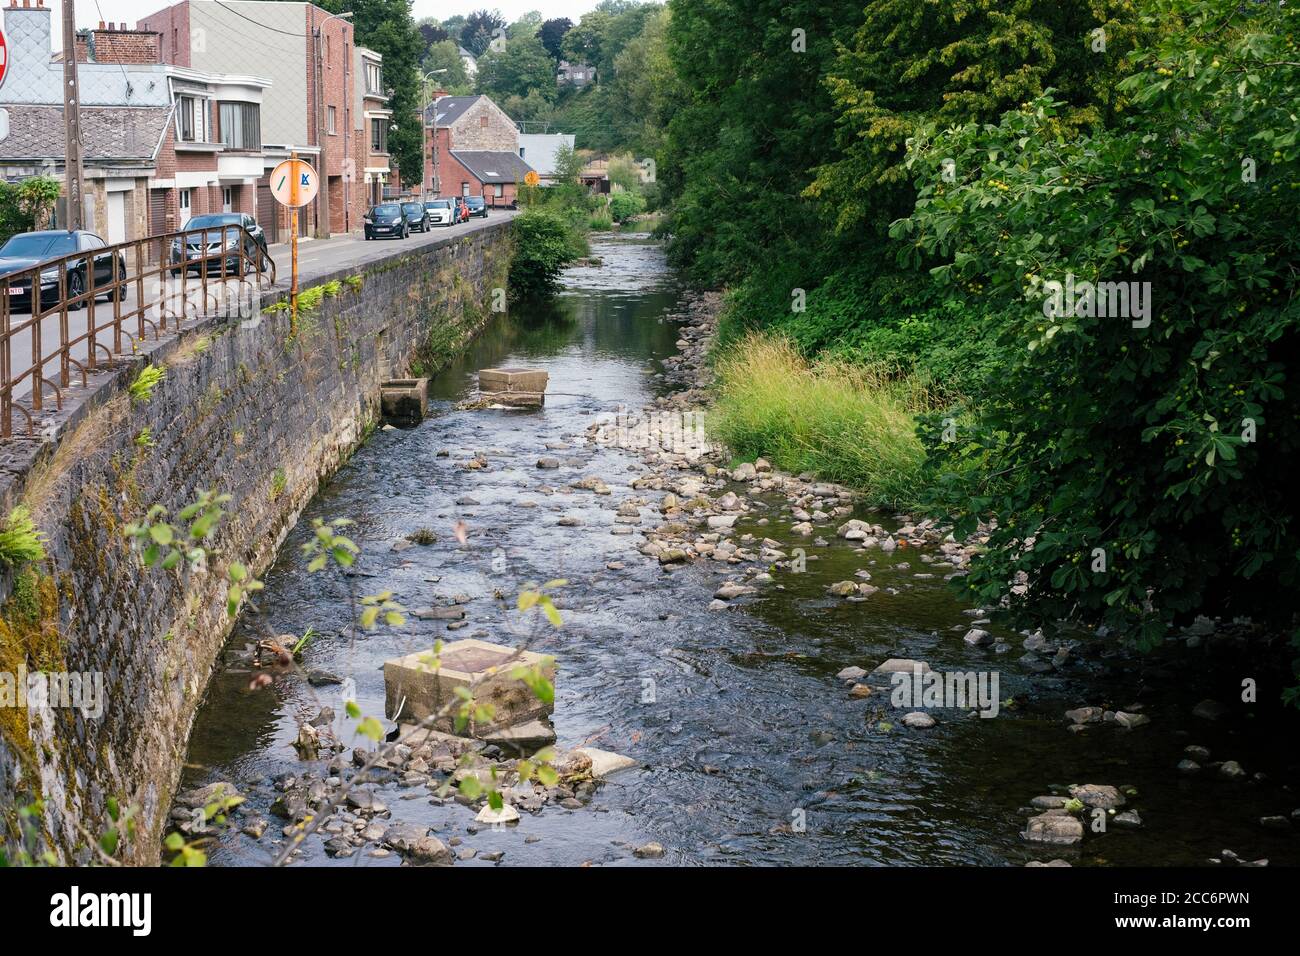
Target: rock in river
x=1098 y=795
x=1056 y=828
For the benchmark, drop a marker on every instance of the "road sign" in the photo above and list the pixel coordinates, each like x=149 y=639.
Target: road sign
x=294 y=183
x=4 y=57
x=531 y=178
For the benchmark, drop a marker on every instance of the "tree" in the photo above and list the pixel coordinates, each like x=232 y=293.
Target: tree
x=480 y=29
x=446 y=57
x=522 y=67
x=1138 y=449
x=552 y=33
x=431 y=32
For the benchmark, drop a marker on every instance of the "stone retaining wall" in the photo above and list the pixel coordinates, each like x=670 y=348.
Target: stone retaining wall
x=243 y=408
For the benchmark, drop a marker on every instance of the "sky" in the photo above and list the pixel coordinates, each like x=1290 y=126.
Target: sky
x=90 y=12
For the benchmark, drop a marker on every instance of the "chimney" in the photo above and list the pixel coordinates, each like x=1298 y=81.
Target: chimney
x=27 y=28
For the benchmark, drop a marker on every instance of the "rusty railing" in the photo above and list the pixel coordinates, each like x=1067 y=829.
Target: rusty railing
x=53 y=326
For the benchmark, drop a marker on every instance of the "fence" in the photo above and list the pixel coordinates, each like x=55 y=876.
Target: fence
x=149 y=286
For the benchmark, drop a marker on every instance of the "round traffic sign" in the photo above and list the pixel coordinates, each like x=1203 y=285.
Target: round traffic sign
x=4 y=57
x=531 y=178
x=294 y=183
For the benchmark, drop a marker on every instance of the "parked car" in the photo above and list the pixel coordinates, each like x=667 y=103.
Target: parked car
x=477 y=206
x=29 y=249
x=216 y=239
x=416 y=216
x=441 y=212
x=387 y=219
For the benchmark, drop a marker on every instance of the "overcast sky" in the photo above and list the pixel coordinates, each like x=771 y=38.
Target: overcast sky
x=90 y=12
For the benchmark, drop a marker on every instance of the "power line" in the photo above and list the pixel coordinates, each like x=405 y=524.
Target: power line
x=264 y=26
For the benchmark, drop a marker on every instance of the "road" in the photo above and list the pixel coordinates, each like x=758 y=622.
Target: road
x=316 y=258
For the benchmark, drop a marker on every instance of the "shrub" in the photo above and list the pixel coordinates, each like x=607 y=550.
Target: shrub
x=846 y=423
x=626 y=204
x=1140 y=467
x=546 y=240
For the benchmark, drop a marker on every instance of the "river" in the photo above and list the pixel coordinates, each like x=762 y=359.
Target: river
x=752 y=752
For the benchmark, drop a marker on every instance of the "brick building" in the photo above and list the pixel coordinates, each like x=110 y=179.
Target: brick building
x=311 y=106
x=471 y=148
x=373 y=117
x=125 y=111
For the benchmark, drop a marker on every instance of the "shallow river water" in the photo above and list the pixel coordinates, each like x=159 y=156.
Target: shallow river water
x=749 y=731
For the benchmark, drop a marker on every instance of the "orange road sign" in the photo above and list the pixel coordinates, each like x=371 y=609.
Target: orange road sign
x=294 y=183
x=531 y=178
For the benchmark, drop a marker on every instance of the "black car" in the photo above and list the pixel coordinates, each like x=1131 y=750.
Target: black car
x=29 y=249
x=387 y=219
x=477 y=206
x=416 y=215
x=216 y=239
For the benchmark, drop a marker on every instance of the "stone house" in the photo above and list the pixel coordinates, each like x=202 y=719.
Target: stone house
x=472 y=149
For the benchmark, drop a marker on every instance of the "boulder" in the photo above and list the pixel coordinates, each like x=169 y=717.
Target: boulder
x=1098 y=795
x=1053 y=828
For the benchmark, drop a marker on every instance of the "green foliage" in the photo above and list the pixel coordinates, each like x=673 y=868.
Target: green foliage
x=376 y=605
x=841 y=421
x=444 y=56
x=1147 y=460
x=523 y=66
x=20 y=541
x=27 y=205
x=626 y=205
x=327 y=545
x=546 y=240
x=163 y=544
x=141 y=390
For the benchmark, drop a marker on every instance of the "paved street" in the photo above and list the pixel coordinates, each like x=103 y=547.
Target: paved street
x=316 y=258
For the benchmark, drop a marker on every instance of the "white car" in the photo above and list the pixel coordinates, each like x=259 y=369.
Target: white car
x=442 y=212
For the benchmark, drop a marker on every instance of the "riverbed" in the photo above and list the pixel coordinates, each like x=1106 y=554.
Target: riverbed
x=750 y=750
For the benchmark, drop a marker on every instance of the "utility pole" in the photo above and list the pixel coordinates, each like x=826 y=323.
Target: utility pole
x=72 y=171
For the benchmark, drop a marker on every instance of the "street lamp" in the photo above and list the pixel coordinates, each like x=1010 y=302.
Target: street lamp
x=434 y=156
x=322 y=198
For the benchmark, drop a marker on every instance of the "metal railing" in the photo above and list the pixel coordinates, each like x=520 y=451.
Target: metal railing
x=52 y=326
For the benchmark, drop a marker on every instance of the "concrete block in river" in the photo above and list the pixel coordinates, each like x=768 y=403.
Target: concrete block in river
x=419 y=685
x=404 y=401
x=513 y=386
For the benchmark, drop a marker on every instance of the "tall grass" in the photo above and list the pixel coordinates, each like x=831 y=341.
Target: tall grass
x=847 y=423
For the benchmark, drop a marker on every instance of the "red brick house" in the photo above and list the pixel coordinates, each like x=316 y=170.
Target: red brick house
x=472 y=149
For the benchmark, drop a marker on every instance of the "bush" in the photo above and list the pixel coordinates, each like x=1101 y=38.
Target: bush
x=1140 y=463
x=626 y=204
x=546 y=240
x=846 y=423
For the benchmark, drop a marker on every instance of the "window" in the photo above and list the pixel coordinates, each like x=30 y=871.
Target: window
x=521 y=152
x=374 y=79
x=331 y=120
x=191 y=125
x=379 y=135
x=464 y=189
x=482 y=121
x=498 y=190
x=185 y=197
x=241 y=125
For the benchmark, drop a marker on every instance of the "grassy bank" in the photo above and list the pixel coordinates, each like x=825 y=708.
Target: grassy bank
x=848 y=423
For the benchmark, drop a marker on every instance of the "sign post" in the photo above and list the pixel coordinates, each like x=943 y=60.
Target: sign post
x=4 y=57
x=294 y=184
